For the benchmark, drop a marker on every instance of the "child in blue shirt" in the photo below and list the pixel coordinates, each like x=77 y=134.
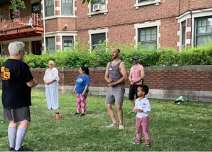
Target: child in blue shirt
x=81 y=90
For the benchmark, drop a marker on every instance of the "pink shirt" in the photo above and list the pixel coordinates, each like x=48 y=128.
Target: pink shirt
x=135 y=72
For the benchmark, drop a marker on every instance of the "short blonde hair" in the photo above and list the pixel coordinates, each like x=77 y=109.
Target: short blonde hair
x=15 y=47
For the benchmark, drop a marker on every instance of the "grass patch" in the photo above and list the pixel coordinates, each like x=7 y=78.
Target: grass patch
x=185 y=127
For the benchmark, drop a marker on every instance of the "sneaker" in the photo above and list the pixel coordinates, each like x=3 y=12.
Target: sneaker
x=113 y=125
x=76 y=113
x=147 y=145
x=11 y=149
x=121 y=127
x=136 y=143
x=82 y=114
x=23 y=149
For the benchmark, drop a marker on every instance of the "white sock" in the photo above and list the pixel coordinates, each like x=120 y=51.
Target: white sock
x=20 y=137
x=12 y=136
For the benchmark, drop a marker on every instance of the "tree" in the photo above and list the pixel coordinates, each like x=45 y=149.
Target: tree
x=16 y=6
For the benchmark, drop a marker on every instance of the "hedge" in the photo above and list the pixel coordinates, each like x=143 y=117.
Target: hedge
x=99 y=58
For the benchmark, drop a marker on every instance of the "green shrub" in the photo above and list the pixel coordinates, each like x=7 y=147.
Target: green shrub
x=101 y=56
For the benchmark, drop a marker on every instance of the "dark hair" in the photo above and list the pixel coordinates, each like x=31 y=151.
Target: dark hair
x=85 y=69
x=144 y=88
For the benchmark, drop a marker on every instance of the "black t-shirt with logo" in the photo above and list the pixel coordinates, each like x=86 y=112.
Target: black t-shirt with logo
x=15 y=92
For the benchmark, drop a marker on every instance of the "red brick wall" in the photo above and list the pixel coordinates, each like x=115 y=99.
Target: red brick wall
x=193 y=78
x=57 y=24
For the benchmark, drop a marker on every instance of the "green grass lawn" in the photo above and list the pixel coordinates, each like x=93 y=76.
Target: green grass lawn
x=173 y=127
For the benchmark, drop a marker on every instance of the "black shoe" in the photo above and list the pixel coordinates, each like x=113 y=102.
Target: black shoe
x=82 y=114
x=11 y=149
x=76 y=113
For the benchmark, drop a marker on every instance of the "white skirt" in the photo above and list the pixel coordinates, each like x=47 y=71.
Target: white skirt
x=52 y=96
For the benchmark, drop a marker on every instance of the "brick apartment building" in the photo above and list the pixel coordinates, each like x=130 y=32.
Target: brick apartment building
x=147 y=23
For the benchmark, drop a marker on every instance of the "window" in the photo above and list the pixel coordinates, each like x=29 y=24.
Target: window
x=98 y=6
x=183 y=34
x=146 y=2
x=36 y=8
x=68 y=42
x=147 y=37
x=203 y=30
x=97 y=40
x=67 y=7
x=141 y=1
x=49 y=8
x=50 y=45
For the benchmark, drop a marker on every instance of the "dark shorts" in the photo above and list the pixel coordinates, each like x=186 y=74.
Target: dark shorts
x=115 y=95
x=133 y=92
x=17 y=115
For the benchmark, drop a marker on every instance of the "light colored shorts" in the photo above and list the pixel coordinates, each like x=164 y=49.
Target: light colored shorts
x=115 y=95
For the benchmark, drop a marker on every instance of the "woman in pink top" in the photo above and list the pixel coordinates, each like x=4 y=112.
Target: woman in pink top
x=136 y=78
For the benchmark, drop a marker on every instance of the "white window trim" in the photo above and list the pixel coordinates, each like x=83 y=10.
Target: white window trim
x=182 y=18
x=137 y=4
x=60 y=9
x=146 y=25
x=195 y=15
x=61 y=34
x=90 y=13
x=67 y=34
x=97 y=31
x=180 y=34
x=74 y=10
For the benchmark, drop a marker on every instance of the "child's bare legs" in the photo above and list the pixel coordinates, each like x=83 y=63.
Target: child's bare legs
x=78 y=104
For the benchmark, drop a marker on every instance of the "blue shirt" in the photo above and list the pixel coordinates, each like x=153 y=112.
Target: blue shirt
x=81 y=82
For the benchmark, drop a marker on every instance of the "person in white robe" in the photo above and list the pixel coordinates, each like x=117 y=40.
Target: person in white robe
x=51 y=79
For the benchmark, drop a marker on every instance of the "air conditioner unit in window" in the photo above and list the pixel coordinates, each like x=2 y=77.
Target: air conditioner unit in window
x=98 y=7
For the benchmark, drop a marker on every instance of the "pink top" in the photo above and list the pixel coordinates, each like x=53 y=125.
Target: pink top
x=135 y=72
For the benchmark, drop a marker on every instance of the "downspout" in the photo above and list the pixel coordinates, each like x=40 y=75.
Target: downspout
x=44 y=27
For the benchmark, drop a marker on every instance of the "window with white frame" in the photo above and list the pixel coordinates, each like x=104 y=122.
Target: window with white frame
x=50 y=44
x=49 y=8
x=97 y=40
x=98 y=6
x=67 y=7
x=147 y=37
x=203 y=30
x=141 y=1
x=68 y=42
x=146 y=2
x=183 y=34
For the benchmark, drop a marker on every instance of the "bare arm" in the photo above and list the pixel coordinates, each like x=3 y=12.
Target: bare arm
x=85 y=90
x=130 y=76
x=32 y=83
x=107 y=74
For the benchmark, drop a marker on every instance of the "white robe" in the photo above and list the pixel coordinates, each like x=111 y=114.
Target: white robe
x=51 y=90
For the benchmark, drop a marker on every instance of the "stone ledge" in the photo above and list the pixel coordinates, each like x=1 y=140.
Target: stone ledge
x=202 y=96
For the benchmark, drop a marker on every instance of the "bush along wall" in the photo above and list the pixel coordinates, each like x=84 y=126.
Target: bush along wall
x=100 y=57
